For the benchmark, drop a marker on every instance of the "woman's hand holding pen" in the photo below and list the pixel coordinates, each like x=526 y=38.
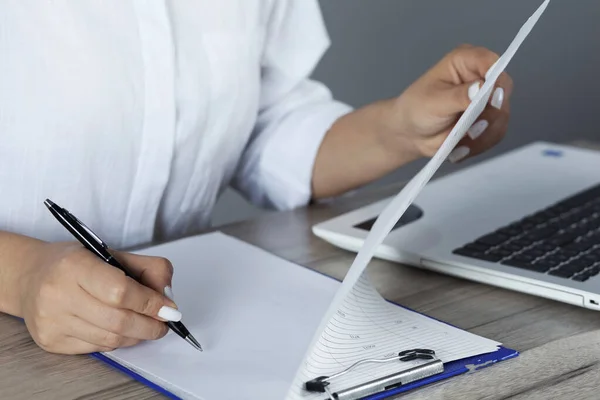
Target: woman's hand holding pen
x=74 y=303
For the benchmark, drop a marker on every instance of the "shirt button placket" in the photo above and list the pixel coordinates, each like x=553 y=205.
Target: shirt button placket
x=158 y=125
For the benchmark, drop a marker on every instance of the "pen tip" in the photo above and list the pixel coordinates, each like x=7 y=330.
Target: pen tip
x=191 y=340
x=48 y=203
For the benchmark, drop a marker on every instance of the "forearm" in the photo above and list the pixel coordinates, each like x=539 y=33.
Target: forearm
x=358 y=149
x=17 y=256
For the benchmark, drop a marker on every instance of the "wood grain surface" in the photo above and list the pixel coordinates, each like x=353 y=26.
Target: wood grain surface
x=559 y=343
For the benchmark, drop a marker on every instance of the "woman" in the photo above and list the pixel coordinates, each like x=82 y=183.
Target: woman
x=135 y=115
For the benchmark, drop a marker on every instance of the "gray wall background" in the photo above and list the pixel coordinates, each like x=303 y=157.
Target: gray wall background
x=380 y=46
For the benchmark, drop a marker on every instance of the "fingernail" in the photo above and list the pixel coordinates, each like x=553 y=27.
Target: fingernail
x=473 y=90
x=169 y=293
x=458 y=154
x=498 y=98
x=169 y=314
x=477 y=129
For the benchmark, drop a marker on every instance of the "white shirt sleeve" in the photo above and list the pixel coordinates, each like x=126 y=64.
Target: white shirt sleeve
x=295 y=111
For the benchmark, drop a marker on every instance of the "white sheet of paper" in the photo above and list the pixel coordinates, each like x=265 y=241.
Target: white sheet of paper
x=254 y=314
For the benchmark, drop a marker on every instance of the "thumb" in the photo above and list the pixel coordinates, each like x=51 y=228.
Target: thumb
x=457 y=98
x=154 y=272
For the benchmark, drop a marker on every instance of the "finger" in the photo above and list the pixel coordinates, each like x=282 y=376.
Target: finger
x=87 y=332
x=494 y=135
x=505 y=82
x=487 y=132
x=456 y=98
x=71 y=346
x=113 y=288
x=469 y=64
x=465 y=64
x=502 y=92
x=118 y=321
x=154 y=272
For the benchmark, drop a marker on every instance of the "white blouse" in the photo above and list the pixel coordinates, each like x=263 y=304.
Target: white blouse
x=136 y=114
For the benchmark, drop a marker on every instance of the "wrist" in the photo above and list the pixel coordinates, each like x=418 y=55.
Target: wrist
x=19 y=258
x=397 y=138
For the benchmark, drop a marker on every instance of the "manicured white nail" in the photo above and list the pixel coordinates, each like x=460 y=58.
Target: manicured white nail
x=458 y=154
x=498 y=98
x=473 y=90
x=477 y=129
x=169 y=314
x=169 y=293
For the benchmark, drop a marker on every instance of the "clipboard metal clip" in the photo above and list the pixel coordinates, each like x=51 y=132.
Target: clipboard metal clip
x=433 y=367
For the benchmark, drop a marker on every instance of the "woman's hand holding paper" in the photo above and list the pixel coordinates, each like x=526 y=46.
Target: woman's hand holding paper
x=427 y=111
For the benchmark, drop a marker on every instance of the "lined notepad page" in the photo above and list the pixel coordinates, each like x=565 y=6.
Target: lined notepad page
x=367 y=326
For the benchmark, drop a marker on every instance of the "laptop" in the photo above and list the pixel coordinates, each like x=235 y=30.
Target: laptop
x=527 y=220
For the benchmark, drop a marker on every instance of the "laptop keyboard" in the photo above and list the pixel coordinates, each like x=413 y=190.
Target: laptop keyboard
x=562 y=240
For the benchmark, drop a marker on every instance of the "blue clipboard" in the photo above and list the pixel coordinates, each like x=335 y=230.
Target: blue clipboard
x=451 y=369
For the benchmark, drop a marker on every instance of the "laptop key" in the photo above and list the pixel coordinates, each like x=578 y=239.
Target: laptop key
x=532 y=220
x=588 y=242
x=537 y=267
x=517 y=263
x=489 y=257
x=510 y=231
x=593 y=271
x=465 y=252
x=493 y=239
x=577 y=247
x=524 y=258
x=566 y=253
x=539 y=234
x=502 y=253
x=478 y=255
x=563 y=273
x=557 y=209
x=562 y=239
x=511 y=247
x=477 y=247
x=590 y=258
x=534 y=252
x=576 y=231
x=581 y=277
x=550 y=261
x=561 y=257
x=545 y=247
x=574 y=267
x=587 y=261
x=524 y=242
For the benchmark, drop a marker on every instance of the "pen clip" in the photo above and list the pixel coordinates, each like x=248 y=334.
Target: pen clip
x=88 y=230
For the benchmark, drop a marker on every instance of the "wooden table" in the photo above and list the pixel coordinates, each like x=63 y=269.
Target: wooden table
x=559 y=343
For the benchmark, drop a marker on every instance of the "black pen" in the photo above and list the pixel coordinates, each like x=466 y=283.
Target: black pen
x=93 y=243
